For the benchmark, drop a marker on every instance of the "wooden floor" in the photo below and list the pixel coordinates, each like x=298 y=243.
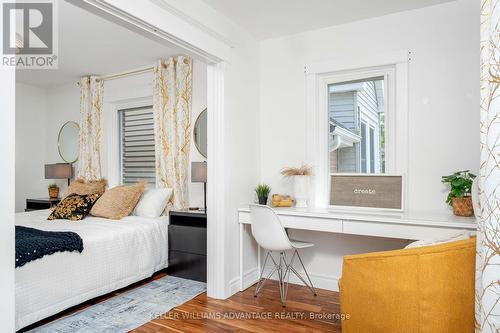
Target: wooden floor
x=242 y=312
x=304 y=313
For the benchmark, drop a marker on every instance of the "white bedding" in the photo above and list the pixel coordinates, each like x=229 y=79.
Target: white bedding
x=116 y=254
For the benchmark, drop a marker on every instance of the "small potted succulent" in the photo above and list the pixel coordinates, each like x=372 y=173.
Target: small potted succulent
x=53 y=191
x=460 y=192
x=262 y=191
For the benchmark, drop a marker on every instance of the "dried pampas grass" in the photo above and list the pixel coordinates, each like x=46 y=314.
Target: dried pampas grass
x=304 y=170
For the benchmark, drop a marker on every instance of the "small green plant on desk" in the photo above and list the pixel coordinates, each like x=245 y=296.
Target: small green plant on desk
x=262 y=191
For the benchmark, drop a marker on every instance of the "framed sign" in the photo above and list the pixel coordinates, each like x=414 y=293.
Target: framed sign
x=367 y=191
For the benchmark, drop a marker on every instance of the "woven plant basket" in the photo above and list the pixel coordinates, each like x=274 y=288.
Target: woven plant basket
x=53 y=192
x=462 y=206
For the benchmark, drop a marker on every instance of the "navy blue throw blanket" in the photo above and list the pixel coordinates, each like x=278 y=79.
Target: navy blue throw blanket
x=32 y=244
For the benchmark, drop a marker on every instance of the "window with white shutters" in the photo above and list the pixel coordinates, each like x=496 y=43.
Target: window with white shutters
x=137 y=145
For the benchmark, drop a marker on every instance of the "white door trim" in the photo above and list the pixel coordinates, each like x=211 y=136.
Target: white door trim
x=215 y=53
x=163 y=23
x=7 y=204
x=215 y=183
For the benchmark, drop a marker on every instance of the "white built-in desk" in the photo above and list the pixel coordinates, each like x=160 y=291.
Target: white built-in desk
x=407 y=225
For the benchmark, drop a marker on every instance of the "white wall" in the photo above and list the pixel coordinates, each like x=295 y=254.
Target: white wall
x=63 y=104
x=443 y=91
x=7 y=202
x=243 y=140
x=443 y=97
x=31 y=103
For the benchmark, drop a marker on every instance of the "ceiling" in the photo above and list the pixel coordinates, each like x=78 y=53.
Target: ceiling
x=89 y=44
x=273 y=18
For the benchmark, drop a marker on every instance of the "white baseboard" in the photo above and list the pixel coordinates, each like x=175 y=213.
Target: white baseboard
x=321 y=281
x=234 y=286
x=250 y=277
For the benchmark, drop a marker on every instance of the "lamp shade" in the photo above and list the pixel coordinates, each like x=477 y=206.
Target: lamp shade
x=58 y=171
x=199 y=172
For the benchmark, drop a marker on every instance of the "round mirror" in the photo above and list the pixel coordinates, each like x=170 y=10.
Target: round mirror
x=200 y=133
x=68 y=142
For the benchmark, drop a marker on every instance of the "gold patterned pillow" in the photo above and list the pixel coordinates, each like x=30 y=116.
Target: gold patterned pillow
x=74 y=207
x=118 y=202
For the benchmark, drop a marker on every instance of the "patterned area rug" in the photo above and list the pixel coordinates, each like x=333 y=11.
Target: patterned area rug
x=129 y=310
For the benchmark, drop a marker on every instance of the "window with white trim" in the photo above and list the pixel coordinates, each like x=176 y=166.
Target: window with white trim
x=137 y=145
x=385 y=135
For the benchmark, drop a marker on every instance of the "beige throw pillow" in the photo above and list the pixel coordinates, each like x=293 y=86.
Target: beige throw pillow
x=85 y=188
x=435 y=241
x=118 y=202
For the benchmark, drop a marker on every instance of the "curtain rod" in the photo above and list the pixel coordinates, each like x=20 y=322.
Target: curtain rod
x=124 y=74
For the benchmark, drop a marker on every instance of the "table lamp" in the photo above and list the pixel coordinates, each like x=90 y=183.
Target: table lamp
x=199 y=175
x=59 y=171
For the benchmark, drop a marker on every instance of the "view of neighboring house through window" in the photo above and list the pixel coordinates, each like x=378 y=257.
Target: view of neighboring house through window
x=137 y=145
x=363 y=160
x=356 y=139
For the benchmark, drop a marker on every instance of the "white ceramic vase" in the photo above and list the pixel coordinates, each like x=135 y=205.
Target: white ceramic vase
x=301 y=190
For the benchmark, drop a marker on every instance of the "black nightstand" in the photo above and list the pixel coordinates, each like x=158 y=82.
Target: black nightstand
x=40 y=203
x=187 y=245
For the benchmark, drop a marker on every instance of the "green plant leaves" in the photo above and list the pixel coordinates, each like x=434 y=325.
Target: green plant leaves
x=460 y=184
x=263 y=190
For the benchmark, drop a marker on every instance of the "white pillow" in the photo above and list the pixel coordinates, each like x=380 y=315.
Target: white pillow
x=427 y=242
x=153 y=202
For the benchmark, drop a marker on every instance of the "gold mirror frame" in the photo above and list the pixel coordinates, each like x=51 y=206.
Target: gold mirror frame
x=194 y=133
x=59 y=140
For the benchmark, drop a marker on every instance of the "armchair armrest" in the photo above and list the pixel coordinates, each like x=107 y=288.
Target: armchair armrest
x=427 y=289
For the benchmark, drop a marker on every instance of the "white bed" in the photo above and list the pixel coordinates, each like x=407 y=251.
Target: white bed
x=116 y=254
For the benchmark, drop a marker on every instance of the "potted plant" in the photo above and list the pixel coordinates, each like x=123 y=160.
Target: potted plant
x=300 y=183
x=53 y=191
x=460 y=192
x=263 y=191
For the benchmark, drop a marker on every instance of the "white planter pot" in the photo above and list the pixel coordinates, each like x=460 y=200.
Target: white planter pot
x=301 y=190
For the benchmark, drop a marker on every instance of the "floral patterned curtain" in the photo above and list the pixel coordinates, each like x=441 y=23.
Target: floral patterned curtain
x=89 y=159
x=488 y=241
x=172 y=117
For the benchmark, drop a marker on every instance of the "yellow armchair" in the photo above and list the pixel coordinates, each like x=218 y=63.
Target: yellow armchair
x=420 y=290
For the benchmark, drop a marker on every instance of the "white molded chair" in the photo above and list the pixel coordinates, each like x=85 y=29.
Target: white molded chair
x=270 y=235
